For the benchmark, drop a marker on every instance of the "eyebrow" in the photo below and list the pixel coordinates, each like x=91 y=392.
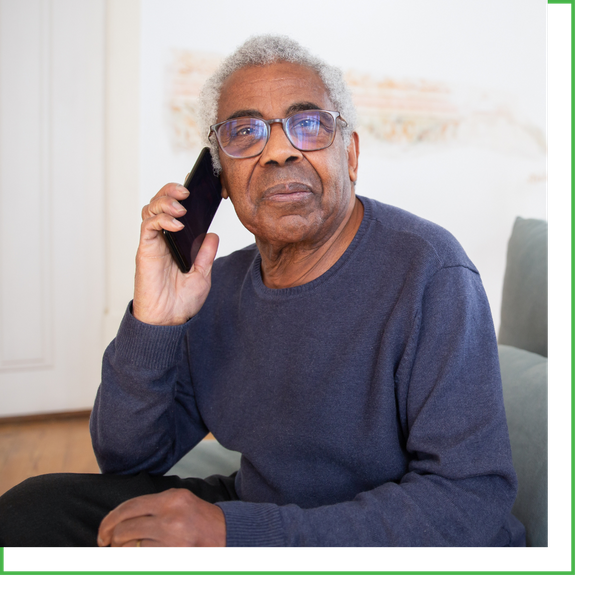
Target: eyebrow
x=294 y=108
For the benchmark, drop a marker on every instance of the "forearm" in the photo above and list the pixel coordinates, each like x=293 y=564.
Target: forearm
x=420 y=511
x=144 y=416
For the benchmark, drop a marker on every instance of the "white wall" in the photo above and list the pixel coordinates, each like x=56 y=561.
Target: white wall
x=495 y=48
x=104 y=101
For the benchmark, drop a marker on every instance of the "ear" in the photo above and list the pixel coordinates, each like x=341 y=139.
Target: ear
x=353 y=151
x=224 y=192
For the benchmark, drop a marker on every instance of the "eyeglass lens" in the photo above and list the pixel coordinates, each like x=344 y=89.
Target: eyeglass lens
x=247 y=136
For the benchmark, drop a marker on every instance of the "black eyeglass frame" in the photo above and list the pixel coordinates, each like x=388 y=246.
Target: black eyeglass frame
x=335 y=114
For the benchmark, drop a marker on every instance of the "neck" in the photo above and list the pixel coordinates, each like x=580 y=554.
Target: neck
x=295 y=265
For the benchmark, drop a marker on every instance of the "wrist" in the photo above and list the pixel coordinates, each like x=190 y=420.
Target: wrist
x=147 y=345
x=151 y=318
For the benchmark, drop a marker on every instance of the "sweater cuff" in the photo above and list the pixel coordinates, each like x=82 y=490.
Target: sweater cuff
x=252 y=524
x=153 y=347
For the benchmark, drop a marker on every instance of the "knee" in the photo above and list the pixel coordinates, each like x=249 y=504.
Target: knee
x=31 y=491
x=27 y=508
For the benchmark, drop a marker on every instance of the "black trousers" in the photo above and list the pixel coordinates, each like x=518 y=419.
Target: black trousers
x=65 y=509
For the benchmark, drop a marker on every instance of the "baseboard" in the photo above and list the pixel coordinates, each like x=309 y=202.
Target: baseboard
x=58 y=416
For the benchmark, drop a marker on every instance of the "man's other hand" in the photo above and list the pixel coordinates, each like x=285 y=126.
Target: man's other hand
x=172 y=518
x=163 y=295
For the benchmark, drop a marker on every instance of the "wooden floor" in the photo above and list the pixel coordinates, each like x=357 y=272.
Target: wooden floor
x=56 y=445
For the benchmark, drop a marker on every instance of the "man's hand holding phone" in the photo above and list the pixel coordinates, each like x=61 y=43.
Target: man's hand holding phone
x=163 y=294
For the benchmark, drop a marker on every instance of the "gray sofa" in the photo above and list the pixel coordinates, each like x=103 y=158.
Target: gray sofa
x=523 y=351
x=523 y=348
x=206 y=459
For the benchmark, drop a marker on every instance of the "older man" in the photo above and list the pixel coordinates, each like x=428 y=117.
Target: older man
x=349 y=354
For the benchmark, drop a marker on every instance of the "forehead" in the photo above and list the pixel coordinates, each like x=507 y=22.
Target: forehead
x=271 y=90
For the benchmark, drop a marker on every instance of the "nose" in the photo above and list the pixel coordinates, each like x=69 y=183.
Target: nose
x=279 y=149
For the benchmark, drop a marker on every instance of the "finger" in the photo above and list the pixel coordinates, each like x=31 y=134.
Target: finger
x=155 y=224
x=142 y=506
x=132 y=531
x=163 y=204
x=131 y=544
x=142 y=544
x=151 y=231
x=164 y=197
x=173 y=190
x=206 y=254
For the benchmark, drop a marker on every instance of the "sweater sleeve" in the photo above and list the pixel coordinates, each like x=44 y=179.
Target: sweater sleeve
x=145 y=416
x=460 y=484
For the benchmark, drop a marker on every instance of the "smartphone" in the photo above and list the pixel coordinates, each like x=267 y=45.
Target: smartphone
x=201 y=205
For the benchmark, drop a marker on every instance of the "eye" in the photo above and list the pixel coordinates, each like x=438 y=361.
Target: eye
x=245 y=131
x=242 y=131
x=307 y=123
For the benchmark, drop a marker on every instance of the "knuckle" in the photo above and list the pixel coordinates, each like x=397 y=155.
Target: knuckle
x=177 y=502
x=179 y=498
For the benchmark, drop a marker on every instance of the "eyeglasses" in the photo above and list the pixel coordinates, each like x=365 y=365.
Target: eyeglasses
x=246 y=137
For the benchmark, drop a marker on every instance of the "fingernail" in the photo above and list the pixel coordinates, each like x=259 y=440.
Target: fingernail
x=178 y=207
x=182 y=189
x=100 y=542
x=177 y=223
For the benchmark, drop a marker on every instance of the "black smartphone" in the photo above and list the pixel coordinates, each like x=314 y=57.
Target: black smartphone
x=201 y=206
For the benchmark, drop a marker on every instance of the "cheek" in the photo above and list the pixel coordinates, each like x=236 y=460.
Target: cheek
x=239 y=196
x=244 y=209
x=334 y=175
x=234 y=182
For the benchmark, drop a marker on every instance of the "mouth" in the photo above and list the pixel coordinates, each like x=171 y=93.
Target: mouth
x=287 y=192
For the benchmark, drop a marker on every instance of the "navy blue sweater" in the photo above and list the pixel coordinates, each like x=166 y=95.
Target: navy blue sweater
x=367 y=404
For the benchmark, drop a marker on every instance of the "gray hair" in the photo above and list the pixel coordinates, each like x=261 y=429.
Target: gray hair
x=265 y=50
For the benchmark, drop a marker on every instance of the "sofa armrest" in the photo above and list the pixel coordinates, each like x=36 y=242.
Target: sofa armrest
x=525 y=386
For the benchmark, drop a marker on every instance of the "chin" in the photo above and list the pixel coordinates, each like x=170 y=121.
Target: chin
x=287 y=236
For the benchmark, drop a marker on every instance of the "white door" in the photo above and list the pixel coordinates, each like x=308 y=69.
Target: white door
x=52 y=234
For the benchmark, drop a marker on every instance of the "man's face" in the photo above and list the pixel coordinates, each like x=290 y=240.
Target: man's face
x=285 y=196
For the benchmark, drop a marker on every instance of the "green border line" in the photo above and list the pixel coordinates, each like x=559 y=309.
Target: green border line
x=573 y=226
x=572 y=571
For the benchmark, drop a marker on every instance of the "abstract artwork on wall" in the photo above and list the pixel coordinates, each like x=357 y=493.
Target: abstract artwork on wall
x=394 y=115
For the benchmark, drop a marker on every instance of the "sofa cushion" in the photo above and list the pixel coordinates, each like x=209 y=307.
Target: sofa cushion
x=206 y=459
x=525 y=386
x=524 y=315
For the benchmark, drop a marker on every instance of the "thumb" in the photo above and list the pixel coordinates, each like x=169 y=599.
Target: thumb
x=206 y=254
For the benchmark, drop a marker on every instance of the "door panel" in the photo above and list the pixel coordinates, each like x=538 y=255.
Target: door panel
x=51 y=204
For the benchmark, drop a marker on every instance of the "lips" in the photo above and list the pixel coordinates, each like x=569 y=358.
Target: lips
x=287 y=192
